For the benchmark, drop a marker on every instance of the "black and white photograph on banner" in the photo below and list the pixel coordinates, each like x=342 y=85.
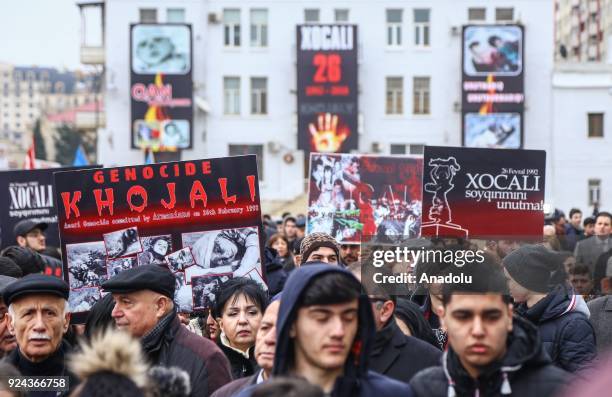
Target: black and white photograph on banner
x=236 y=248
x=116 y=266
x=492 y=50
x=493 y=130
x=183 y=295
x=87 y=264
x=122 y=242
x=81 y=300
x=175 y=133
x=161 y=49
x=205 y=288
x=180 y=259
x=155 y=249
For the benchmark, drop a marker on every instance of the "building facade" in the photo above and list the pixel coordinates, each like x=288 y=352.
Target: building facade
x=244 y=72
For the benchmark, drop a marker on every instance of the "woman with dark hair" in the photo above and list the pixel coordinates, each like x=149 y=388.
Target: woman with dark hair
x=410 y=320
x=280 y=243
x=159 y=247
x=100 y=316
x=238 y=309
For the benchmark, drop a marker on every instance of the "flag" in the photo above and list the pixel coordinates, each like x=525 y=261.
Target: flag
x=149 y=159
x=79 y=157
x=30 y=159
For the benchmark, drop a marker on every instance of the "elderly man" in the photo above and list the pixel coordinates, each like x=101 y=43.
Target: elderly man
x=7 y=341
x=39 y=318
x=265 y=344
x=144 y=308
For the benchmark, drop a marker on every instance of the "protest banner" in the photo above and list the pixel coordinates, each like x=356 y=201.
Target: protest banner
x=28 y=194
x=198 y=218
x=353 y=197
x=483 y=192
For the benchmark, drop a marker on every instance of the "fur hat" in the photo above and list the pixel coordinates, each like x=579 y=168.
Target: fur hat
x=112 y=364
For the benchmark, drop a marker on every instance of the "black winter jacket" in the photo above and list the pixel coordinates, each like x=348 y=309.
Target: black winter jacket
x=524 y=371
x=172 y=344
x=240 y=365
x=399 y=356
x=567 y=335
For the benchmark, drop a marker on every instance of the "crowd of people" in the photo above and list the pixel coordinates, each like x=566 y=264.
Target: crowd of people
x=534 y=321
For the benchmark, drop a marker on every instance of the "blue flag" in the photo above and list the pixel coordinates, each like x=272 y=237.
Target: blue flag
x=149 y=157
x=79 y=157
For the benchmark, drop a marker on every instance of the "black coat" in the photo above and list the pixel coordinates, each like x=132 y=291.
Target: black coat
x=567 y=335
x=399 y=356
x=234 y=387
x=524 y=371
x=240 y=365
x=55 y=365
x=175 y=345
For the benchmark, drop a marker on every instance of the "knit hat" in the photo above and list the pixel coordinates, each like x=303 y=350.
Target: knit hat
x=314 y=241
x=532 y=266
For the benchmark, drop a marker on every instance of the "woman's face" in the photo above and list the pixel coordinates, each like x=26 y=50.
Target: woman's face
x=240 y=321
x=160 y=247
x=280 y=246
x=223 y=253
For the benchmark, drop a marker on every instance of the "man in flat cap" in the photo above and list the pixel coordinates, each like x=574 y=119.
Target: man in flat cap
x=144 y=307
x=7 y=341
x=39 y=318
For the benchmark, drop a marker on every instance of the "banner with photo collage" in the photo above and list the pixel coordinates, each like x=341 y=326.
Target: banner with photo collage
x=200 y=218
x=493 y=96
x=161 y=86
x=357 y=197
x=327 y=97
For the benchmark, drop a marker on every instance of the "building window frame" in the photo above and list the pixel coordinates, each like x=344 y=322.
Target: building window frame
x=259 y=96
x=147 y=15
x=312 y=15
x=421 y=95
x=394 y=95
x=504 y=14
x=232 y=29
x=253 y=148
x=474 y=14
x=394 y=21
x=231 y=96
x=422 y=27
x=259 y=27
x=594 y=191
x=595 y=124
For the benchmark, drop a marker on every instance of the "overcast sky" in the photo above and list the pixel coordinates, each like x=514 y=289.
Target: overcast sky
x=40 y=32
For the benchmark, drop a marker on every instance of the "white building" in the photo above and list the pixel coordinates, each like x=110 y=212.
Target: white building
x=245 y=55
x=582 y=148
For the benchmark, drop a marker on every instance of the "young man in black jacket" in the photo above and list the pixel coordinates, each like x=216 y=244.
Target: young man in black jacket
x=490 y=352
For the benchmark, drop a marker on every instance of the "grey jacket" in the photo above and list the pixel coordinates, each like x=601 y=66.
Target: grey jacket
x=601 y=318
x=588 y=250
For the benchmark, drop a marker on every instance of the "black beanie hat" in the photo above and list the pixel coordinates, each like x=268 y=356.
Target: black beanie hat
x=532 y=266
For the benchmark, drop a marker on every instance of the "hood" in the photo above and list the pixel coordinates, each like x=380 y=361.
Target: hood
x=558 y=302
x=300 y=278
x=524 y=349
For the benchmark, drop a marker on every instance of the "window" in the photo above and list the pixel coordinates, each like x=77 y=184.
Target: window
x=341 y=15
x=175 y=15
x=398 y=149
x=595 y=121
x=394 y=28
x=240 y=150
x=477 y=14
x=417 y=149
x=594 y=191
x=148 y=15
x=504 y=14
x=311 y=15
x=231 y=95
x=420 y=98
x=395 y=95
x=231 y=27
x=259 y=28
x=421 y=27
x=259 y=95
